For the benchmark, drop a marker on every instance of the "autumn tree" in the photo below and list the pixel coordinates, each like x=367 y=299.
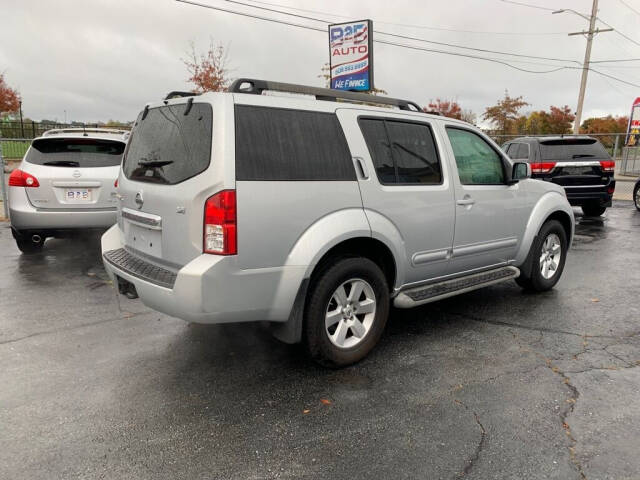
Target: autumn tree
x=208 y=72
x=325 y=74
x=447 y=108
x=560 y=119
x=608 y=124
x=504 y=114
x=9 y=97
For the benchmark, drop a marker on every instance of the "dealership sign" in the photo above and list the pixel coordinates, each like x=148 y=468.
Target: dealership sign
x=351 y=55
x=633 y=130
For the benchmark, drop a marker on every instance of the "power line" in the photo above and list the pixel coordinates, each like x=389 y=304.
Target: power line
x=407 y=37
x=629 y=7
x=522 y=4
x=402 y=45
x=617 y=60
x=410 y=25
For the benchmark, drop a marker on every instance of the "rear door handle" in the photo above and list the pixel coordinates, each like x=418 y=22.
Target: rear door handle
x=360 y=166
x=466 y=201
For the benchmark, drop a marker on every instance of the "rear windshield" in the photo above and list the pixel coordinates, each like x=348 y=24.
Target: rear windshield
x=170 y=145
x=572 y=148
x=75 y=152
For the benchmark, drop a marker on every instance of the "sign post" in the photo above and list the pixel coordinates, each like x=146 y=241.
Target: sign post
x=351 y=56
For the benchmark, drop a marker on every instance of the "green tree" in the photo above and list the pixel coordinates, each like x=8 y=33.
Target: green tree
x=503 y=115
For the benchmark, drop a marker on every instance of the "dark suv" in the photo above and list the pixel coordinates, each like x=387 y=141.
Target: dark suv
x=579 y=164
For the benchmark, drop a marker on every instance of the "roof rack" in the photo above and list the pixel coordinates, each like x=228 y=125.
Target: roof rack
x=256 y=87
x=178 y=94
x=60 y=131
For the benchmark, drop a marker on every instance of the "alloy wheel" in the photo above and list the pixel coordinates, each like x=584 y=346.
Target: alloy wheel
x=350 y=313
x=550 y=256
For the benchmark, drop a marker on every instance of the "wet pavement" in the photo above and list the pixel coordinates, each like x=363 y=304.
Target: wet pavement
x=492 y=384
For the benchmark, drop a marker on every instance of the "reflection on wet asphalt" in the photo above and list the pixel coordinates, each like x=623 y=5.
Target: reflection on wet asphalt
x=492 y=384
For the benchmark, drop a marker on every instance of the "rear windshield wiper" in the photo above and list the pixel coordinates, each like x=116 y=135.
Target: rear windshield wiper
x=155 y=163
x=582 y=155
x=62 y=163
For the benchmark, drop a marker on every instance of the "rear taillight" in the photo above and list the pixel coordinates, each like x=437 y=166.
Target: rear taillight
x=115 y=184
x=220 y=235
x=542 y=167
x=18 y=178
x=607 y=165
x=611 y=189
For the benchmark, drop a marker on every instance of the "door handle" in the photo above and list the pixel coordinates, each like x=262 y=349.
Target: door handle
x=360 y=166
x=466 y=201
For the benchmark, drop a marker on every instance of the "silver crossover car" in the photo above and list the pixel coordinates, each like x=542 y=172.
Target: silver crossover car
x=66 y=181
x=315 y=215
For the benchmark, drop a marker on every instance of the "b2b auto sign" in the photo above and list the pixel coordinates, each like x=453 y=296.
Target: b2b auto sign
x=351 y=55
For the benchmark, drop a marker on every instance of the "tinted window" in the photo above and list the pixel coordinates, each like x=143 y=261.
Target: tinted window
x=570 y=148
x=477 y=162
x=168 y=146
x=519 y=151
x=375 y=135
x=402 y=152
x=280 y=144
x=75 y=152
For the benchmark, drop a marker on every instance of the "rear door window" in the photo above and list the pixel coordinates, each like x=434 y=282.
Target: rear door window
x=75 y=152
x=283 y=144
x=170 y=144
x=403 y=153
x=572 y=148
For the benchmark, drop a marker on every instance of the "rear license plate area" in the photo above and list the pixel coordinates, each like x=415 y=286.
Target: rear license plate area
x=145 y=240
x=577 y=170
x=78 y=195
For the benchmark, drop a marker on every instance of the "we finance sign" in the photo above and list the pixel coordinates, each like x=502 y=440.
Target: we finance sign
x=351 y=55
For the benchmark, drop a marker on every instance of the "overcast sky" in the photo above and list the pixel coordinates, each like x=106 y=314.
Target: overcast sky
x=104 y=59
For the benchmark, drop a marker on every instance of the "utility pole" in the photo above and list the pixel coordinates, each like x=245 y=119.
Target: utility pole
x=587 y=56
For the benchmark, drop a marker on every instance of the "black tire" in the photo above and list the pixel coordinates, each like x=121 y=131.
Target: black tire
x=636 y=196
x=593 y=210
x=28 y=246
x=321 y=292
x=531 y=277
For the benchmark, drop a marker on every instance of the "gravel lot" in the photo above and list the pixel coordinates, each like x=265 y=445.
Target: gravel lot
x=493 y=384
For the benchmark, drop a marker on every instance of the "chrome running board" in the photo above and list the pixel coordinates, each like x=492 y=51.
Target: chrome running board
x=437 y=291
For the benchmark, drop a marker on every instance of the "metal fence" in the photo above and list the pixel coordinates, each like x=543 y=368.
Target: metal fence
x=32 y=129
x=630 y=162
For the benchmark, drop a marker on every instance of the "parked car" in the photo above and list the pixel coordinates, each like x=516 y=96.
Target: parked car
x=636 y=194
x=580 y=164
x=65 y=182
x=315 y=215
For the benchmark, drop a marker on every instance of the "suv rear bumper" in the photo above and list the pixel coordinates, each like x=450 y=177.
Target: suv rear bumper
x=25 y=216
x=597 y=194
x=209 y=289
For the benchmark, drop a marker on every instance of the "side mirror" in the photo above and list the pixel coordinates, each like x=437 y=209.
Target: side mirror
x=521 y=170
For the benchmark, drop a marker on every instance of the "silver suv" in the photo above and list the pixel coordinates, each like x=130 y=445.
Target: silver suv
x=315 y=215
x=65 y=182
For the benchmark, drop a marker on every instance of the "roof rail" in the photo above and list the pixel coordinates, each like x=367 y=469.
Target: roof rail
x=178 y=94
x=60 y=131
x=256 y=87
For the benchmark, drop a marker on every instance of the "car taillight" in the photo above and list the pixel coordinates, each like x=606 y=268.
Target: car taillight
x=542 y=167
x=611 y=189
x=115 y=184
x=220 y=236
x=18 y=178
x=607 y=165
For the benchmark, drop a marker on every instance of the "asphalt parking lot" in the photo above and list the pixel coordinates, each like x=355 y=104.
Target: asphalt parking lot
x=492 y=384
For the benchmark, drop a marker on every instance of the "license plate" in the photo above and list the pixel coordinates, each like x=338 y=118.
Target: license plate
x=77 y=195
